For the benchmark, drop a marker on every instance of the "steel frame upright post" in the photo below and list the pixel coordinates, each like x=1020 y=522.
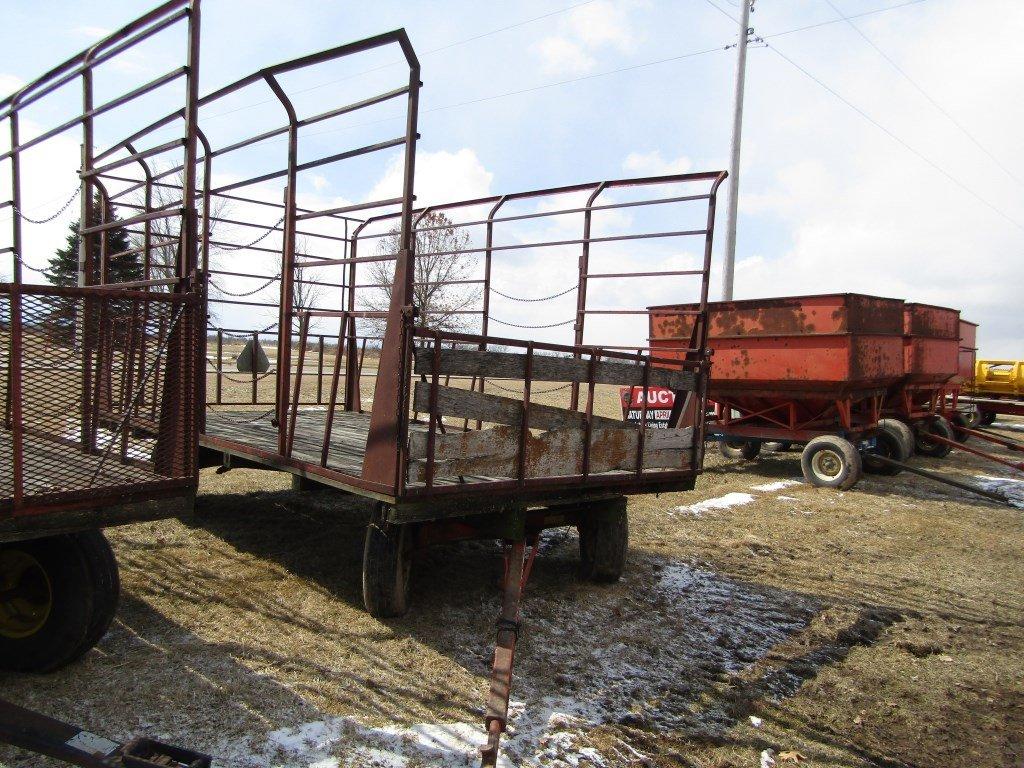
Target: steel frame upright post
x=389 y=420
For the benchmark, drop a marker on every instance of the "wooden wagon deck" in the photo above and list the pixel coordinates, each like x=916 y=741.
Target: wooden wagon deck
x=249 y=428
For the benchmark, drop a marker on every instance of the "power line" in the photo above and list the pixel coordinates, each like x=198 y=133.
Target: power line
x=924 y=93
x=425 y=53
x=897 y=139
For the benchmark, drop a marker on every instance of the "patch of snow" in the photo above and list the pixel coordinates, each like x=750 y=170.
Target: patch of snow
x=1009 y=425
x=722 y=502
x=647 y=661
x=137 y=448
x=787 y=498
x=778 y=485
x=755 y=721
x=768 y=759
x=1012 y=489
x=344 y=742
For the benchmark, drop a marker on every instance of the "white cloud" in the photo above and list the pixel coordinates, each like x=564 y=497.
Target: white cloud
x=93 y=33
x=562 y=56
x=585 y=32
x=319 y=182
x=441 y=177
x=863 y=214
x=603 y=23
x=9 y=84
x=653 y=164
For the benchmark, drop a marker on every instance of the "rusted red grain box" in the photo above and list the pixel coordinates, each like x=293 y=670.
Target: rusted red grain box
x=968 y=351
x=826 y=344
x=931 y=343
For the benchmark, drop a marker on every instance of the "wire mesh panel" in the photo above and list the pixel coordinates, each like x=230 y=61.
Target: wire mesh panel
x=100 y=400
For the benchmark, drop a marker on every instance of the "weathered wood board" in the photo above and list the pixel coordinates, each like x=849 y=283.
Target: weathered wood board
x=452 y=401
x=559 y=452
x=468 y=362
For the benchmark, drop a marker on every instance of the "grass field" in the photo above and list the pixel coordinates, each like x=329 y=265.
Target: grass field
x=882 y=626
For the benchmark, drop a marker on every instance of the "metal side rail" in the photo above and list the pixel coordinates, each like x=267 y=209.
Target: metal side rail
x=993 y=495
x=34 y=732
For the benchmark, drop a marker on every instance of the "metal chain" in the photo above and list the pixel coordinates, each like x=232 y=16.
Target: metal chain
x=246 y=293
x=78 y=191
x=544 y=298
x=48 y=275
x=219 y=370
x=517 y=325
x=245 y=336
x=532 y=390
x=258 y=239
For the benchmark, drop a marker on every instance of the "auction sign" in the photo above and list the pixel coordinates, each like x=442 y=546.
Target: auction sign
x=659 y=405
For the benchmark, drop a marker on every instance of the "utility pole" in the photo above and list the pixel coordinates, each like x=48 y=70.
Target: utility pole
x=734 y=155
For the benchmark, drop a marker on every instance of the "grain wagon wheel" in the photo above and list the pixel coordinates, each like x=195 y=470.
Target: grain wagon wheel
x=739 y=448
x=829 y=461
x=777 y=446
x=387 y=561
x=988 y=418
x=890 y=443
x=905 y=432
x=604 y=541
x=968 y=420
x=58 y=596
x=938 y=426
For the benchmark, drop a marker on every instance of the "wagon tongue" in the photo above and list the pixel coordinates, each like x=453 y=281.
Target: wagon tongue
x=517 y=571
x=30 y=730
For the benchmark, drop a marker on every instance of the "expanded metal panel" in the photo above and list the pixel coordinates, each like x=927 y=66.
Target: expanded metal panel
x=95 y=404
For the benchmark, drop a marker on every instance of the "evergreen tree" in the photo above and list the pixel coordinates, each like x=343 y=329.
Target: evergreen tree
x=120 y=269
x=63 y=269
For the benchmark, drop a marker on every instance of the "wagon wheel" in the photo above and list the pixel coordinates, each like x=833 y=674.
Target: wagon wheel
x=604 y=541
x=829 y=461
x=890 y=444
x=386 y=565
x=777 y=446
x=965 y=420
x=58 y=596
x=938 y=426
x=739 y=448
x=905 y=432
x=988 y=418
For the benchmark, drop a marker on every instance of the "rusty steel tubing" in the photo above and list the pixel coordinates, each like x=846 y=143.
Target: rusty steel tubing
x=496 y=718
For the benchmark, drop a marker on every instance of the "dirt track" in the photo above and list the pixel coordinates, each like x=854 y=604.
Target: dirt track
x=881 y=626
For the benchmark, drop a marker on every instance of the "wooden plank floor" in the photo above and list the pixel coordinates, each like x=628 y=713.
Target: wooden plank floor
x=348 y=435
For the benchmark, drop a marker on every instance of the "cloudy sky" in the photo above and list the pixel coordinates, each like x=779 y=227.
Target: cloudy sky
x=881 y=155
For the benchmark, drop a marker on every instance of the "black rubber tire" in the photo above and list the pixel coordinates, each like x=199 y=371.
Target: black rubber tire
x=739 y=448
x=938 y=426
x=386 y=567
x=962 y=420
x=890 y=443
x=988 y=418
x=829 y=461
x=62 y=577
x=971 y=417
x=604 y=541
x=905 y=432
x=106 y=581
x=777 y=446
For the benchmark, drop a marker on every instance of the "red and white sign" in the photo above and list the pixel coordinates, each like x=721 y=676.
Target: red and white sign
x=659 y=405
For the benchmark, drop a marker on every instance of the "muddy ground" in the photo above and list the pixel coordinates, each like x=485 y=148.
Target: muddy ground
x=882 y=626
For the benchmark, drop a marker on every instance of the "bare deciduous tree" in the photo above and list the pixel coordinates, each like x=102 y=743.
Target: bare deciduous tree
x=442 y=268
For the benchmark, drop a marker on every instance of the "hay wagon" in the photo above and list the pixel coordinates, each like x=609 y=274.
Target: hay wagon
x=452 y=431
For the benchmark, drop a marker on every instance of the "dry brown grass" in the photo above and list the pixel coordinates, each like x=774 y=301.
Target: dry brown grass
x=894 y=615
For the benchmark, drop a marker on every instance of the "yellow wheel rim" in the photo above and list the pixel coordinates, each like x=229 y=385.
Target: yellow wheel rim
x=26 y=595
